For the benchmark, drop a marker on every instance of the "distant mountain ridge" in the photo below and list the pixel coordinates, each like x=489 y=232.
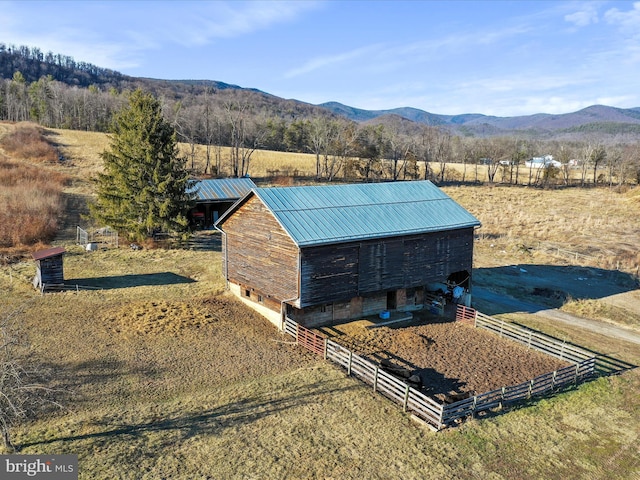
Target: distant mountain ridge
x=617 y=124
x=595 y=114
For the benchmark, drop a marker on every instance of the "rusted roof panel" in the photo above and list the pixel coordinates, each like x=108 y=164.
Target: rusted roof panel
x=47 y=253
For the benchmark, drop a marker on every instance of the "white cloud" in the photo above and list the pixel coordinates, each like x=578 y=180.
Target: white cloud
x=326 y=61
x=82 y=29
x=629 y=20
x=212 y=20
x=582 y=18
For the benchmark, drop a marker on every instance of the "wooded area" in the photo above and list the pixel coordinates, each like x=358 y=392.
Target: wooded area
x=57 y=92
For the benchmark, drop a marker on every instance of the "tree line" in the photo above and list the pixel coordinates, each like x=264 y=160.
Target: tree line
x=246 y=121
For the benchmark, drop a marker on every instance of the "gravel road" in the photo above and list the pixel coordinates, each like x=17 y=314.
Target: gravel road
x=596 y=326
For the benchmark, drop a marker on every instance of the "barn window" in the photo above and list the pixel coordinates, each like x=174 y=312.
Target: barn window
x=260 y=299
x=247 y=293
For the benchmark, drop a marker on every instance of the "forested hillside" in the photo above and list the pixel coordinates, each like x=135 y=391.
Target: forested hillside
x=56 y=91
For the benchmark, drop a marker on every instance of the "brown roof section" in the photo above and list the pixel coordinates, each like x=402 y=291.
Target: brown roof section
x=49 y=252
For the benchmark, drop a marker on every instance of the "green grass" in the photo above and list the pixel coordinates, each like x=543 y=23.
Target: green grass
x=604 y=311
x=216 y=392
x=231 y=398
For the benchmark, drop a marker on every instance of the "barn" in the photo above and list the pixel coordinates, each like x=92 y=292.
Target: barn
x=321 y=254
x=49 y=268
x=216 y=196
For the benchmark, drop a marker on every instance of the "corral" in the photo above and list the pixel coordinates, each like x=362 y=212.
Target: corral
x=450 y=358
x=386 y=361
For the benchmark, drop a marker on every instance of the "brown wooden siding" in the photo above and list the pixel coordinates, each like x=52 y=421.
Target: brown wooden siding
x=338 y=272
x=329 y=273
x=50 y=271
x=259 y=254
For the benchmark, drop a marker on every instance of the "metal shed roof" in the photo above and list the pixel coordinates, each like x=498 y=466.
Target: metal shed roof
x=318 y=215
x=47 y=253
x=220 y=189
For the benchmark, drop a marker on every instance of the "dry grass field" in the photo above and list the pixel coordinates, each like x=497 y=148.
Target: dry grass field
x=164 y=375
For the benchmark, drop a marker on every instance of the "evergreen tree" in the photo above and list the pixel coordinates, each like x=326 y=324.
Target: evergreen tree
x=143 y=188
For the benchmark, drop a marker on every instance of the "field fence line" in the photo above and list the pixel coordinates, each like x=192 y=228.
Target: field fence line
x=105 y=236
x=539 y=341
x=583 y=259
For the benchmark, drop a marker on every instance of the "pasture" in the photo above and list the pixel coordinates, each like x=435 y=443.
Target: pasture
x=162 y=374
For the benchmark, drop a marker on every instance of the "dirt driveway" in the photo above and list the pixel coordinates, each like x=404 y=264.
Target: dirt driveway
x=551 y=285
x=511 y=304
x=542 y=289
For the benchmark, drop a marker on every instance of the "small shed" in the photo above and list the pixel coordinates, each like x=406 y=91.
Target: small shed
x=215 y=196
x=49 y=268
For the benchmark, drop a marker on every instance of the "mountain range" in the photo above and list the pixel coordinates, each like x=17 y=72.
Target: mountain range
x=596 y=118
x=604 y=123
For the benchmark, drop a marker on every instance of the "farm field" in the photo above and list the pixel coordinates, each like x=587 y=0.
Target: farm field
x=162 y=374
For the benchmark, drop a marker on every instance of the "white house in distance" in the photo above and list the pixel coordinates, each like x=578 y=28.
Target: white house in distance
x=542 y=162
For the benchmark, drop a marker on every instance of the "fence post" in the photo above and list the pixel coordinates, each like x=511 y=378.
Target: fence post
x=575 y=382
x=475 y=319
x=297 y=333
x=529 y=344
x=350 y=359
x=553 y=380
x=473 y=407
x=326 y=340
x=375 y=379
x=502 y=398
x=406 y=399
x=530 y=388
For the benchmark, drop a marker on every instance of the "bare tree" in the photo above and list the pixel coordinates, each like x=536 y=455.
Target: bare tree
x=319 y=140
x=597 y=157
x=563 y=155
x=426 y=147
x=244 y=140
x=23 y=390
x=186 y=122
x=397 y=149
x=342 y=145
x=370 y=148
x=631 y=163
x=443 y=152
x=493 y=150
x=211 y=128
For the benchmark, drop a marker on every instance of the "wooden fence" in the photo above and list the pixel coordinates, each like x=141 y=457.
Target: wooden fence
x=525 y=336
x=391 y=387
x=536 y=387
x=434 y=414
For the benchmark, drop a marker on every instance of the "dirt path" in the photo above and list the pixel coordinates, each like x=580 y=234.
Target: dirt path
x=76 y=208
x=596 y=326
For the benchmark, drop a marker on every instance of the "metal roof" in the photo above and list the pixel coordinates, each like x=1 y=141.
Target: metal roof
x=220 y=189
x=316 y=215
x=49 y=252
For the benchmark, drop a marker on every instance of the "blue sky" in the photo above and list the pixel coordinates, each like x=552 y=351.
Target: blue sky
x=449 y=57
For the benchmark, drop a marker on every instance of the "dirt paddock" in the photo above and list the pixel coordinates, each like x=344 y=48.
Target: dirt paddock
x=449 y=357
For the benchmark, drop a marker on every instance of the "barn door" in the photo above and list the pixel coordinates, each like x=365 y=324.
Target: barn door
x=392 y=300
